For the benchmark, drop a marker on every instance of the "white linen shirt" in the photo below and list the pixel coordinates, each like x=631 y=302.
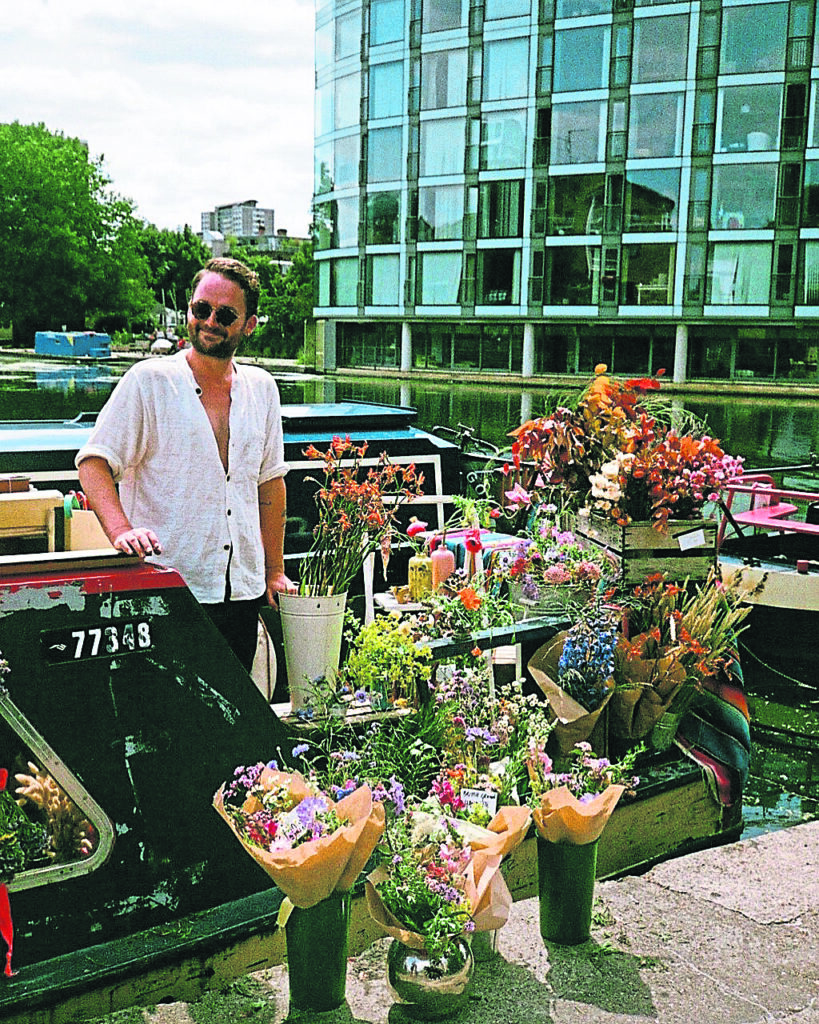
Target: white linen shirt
x=155 y=435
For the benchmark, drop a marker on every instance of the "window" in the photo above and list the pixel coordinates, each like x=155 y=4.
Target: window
x=499 y=277
x=506 y=68
x=576 y=204
x=578 y=132
x=347 y=152
x=347 y=101
x=576 y=8
x=324 y=44
x=810 y=201
x=383 y=218
x=652 y=200
x=440 y=212
x=344 y=282
x=441 y=14
x=503 y=141
x=581 y=59
x=810 y=286
x=348 y=35
x=442 y=146
x=655 y=125
x=386 y=90
x=323 y=169
x=814 y=140
x=743 y=196
x=386 y=21
x=573 y=275
x=443 y=79
x=660 y=49
x=748 y=118
x=754 y=38
x=506 y=9
x=739 y=274
x=500 y=209
x=384 y=147
x=323 y=110
x=647 y=275
x=440 y=278
x=337 y=224
x=382 y=280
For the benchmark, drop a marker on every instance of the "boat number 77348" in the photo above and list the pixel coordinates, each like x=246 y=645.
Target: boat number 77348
x=97 y=641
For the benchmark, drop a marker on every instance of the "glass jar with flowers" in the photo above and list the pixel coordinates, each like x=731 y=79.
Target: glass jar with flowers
x=357 y=501
x=570 y=810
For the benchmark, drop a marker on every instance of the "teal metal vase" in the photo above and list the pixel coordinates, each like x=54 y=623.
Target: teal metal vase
x=566 y=875
x=317 y=940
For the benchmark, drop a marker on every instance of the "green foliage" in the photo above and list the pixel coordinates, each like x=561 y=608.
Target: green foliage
x=385 y=661
x=173 y=258
x=68 y=243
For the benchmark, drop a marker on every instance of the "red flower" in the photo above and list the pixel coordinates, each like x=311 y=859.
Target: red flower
x=472 y=541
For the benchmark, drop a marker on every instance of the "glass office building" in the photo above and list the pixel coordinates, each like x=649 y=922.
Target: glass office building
x=536 y=186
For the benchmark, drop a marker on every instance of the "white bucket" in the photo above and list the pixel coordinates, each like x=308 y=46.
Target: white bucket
x=312 y=628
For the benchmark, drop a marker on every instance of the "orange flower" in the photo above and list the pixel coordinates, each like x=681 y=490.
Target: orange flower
x=469 y=599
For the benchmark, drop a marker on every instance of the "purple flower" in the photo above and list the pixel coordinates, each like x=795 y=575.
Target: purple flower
x=300 y=749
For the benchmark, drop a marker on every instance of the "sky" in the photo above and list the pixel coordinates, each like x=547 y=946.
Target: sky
x=191 y=104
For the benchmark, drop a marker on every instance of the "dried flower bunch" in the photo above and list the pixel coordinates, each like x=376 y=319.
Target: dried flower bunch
x=357 y=511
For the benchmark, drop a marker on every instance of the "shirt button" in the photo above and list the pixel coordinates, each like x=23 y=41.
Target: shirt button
x=199 y=391
x=227 y=477
x=227 y=547
x=228 y=511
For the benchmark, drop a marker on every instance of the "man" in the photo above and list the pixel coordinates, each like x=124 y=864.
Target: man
x=194 y=441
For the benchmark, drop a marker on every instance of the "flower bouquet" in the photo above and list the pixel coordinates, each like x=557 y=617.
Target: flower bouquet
x=570 y=810
x=574 y=671
x=313 y=849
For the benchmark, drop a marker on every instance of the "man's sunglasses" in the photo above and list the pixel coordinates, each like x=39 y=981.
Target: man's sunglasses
x=225 y=316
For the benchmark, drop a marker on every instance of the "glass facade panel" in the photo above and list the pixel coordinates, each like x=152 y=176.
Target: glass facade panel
x=442 y=146
x=440 y=212
x=655 y=125
x=739 y=274
x=347 y=153
x=323 y=110
x=743 y=196
x=323 y=169
x=343 y=282
x=348 y=35
x=440 y=278
x=660 y=49
x=748 y=118
x=500 y=209
x=576 y=204
x=384 y=154
x=383 y=280
x=503 y=142
x=753 y=38
x=810 y=199
x=814 y=135
x=578 y=8
x=324 y=44
x=652 y=199
x=443 y=79
x=578 y=132
x=337 y=224
x=581 y=59
x=387 y=92
x=499 y=277
x=810 y=287
x=386 y=21
x=506 y=9
x=441 y=14
x=573 y=275
x=347 y=101
x=647 y=275
x=506 y=69
x=383 y=218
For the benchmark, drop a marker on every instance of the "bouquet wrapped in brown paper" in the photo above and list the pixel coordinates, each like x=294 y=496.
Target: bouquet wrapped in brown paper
x=309 y=845
x=574 y=806
x=646 y=687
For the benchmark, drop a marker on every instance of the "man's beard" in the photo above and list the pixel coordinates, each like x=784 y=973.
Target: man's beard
x=224 y=349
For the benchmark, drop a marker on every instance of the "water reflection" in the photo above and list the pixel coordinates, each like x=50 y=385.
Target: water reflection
x=92 y=379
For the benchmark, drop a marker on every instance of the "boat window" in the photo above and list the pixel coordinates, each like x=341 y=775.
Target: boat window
x=58 y=830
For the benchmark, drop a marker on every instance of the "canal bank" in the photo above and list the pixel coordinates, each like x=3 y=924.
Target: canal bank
x=725 y=936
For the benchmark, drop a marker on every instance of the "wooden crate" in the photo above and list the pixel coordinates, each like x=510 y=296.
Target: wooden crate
x=686 y=549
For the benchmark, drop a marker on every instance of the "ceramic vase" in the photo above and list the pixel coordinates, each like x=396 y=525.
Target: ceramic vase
x=312 y=628
x=566 y=873
x=430 y=989
x=317 y=942
x=419 y=573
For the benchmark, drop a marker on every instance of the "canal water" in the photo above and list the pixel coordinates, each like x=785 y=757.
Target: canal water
x=784 y=785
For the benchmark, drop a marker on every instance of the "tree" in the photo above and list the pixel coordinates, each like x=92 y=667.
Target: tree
x=68 y=244
x=173 y=259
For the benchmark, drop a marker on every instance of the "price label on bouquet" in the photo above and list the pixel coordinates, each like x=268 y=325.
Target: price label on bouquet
x=480 y=797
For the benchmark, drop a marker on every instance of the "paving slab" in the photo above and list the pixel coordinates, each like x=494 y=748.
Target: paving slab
x=725 y=936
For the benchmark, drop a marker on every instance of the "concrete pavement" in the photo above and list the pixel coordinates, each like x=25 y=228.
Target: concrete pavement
x=726 y=936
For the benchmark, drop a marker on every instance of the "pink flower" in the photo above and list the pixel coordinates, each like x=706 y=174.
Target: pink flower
x=415 y=527
x=557 y=574
x=518 y=497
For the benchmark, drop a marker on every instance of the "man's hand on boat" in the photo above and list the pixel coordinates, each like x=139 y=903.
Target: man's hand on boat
x=138 y=541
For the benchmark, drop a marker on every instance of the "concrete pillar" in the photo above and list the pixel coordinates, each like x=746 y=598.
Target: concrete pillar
x=527 y=366
x=525 y=406
x=680 y=353
x=406 y=347
x=405 y=394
